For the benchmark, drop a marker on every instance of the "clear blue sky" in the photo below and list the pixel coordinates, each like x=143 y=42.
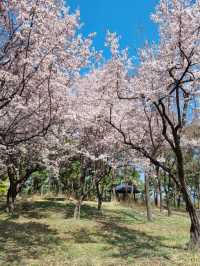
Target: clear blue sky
x=129 y=18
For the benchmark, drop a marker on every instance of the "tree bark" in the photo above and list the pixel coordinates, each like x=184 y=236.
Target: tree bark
x=16 y=186
x=167 y=189
x=99 y=196
x=147 y=198
x=174 y=197
x=77 y=210
x=169 y=211
x=159 y=189
x=198 y=194
x=195 y=222
x=179 y=201
x=155 y=197
x=11 y=197
x=134 y=196
x=160 y=194
x=114 y=195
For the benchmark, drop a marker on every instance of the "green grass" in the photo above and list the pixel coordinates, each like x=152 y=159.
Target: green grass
x=44 y=233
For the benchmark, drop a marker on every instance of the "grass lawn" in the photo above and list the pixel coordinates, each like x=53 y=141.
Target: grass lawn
x=44 y=233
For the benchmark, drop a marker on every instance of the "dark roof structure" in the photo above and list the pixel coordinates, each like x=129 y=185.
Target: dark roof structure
x=125 y=188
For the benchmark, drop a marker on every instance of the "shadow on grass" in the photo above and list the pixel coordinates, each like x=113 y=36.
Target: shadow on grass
x=2 y=204
x=40 y=209
x=132 y=243
x=113 y=216
x=55 y=198
x=124 y=243
x=26 y=240
x=36 y=209
x=33 y=239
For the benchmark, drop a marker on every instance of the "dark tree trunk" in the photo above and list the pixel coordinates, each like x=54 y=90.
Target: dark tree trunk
x=198 y=189
x=11 y=197
x=13 y=190
x=194 y=196
x=156 y=197
x=160 y=194
x=147 y=198
x=15 y=187
x=159 y=189
x=134 y=196
x=174 y=198
x=167 y=189
x=195 y=222
x=179 y=201
x=167 y=195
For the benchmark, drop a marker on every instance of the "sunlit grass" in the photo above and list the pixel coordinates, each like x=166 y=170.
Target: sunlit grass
x=43 y=232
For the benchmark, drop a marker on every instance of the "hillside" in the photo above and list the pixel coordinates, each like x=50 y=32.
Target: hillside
x=43 y=232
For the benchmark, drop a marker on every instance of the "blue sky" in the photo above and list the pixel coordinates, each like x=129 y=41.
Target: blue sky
x=129 y=18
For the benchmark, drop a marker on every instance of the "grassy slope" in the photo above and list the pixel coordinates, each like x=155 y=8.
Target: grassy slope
x=44 y=233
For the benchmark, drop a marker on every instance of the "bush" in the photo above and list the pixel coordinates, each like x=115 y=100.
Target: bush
x=3 y=187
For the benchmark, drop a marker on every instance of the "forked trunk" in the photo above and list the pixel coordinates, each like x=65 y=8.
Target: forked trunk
x=16 y=186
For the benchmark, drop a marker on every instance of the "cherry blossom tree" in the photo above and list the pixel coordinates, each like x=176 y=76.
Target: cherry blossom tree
x=41 y=54
x=165 y=84
x=149 y=106
x=18 y=163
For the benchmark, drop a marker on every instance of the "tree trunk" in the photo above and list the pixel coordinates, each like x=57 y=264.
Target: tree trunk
x=160 y=194
x=169 y=211
x=156 y=197
x=174 y=197
x=114 y=195
x=77 y=210
x=198 y=194
x=147 y=198
x=15 y=187
x=99 y=196
x=168 y=193
x=194 y=197
x=179 y=201
x=11 y=197
x=134 y=196
x=159 y=189
x=195 y=222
